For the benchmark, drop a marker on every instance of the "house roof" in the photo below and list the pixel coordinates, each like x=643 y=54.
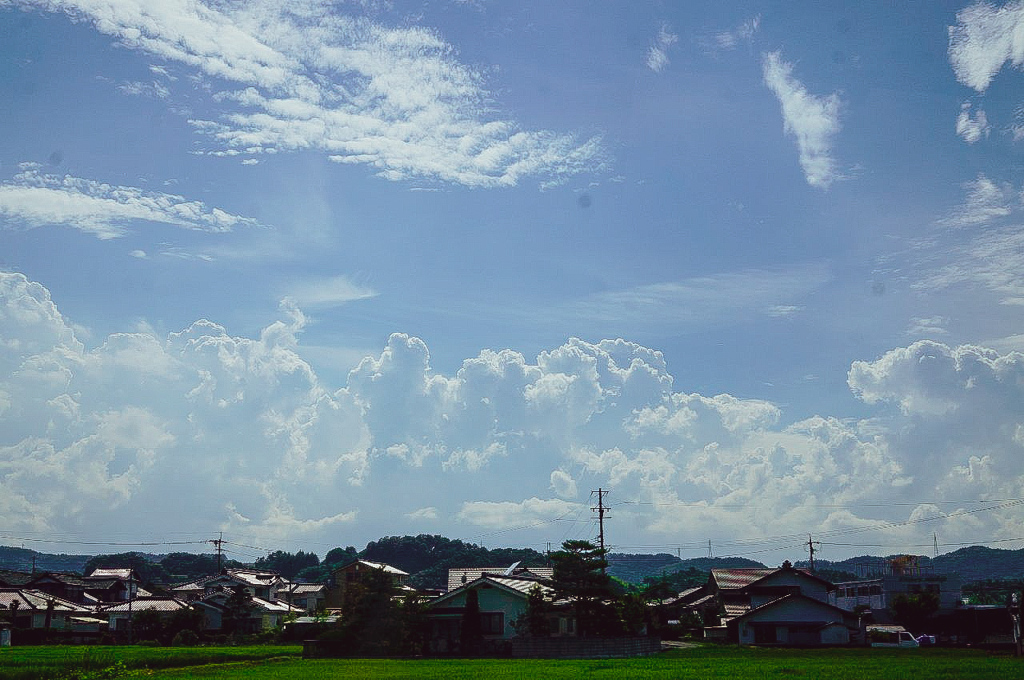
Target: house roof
x=253 y=577
x=738 y=579
x=793 y=597
x=29 y=600
x=160 y=604
x=734 y=579
x=121 y=574
x=306 y=588
x=518 y=587
x=10 y=577
x=460 y=575
x=374 y=565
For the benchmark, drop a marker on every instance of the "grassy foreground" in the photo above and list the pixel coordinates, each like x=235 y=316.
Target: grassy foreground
x=704 y=663
x=87 y=662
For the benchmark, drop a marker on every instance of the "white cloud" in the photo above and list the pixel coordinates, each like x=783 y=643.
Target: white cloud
x=727 y=40
x=423 y=513
x=984 y=39
x=33 y=199
x=327 y=292
x=986 y=201
x=812 y=120
x=511 y=515
x=703 y=300
x=306 y=77
x=971 y=127
x=240 y=434
x=657 y=54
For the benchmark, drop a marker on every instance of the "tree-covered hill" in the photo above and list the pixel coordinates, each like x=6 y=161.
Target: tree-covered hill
x=428 y=558
x=23 y=559
x=634 y=568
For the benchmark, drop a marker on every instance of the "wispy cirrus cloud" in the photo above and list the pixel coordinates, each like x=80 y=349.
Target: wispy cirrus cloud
x=972 y=126
x=813 y=120
x=327 y=292
x=302 y=76
x=33 y=199
x=657 y=53
x=727 y=40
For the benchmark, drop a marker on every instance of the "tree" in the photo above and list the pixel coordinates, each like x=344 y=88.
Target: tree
x=287 y=564
x=147 y=625
x=471 y=634
x=913 y=612
x=145 y=568
x=579 y=576
x=534 y=622
x=373 y=620
x=235 y=619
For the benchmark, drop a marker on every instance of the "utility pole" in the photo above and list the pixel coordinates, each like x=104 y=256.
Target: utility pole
x=711 y=554
x=218 y=542
x=810 y=548
x=935 y=540
x=601 y=493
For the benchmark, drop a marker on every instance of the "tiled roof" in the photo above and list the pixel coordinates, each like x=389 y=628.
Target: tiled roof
x=376 y=565
x=29 y=599
x=15 y=578
x=730 y=579
x=160 y=604
x=306 y=588
x=734 y=610
x=111 y=573
x=519 y=585
x=253 y=577
x=455 y=576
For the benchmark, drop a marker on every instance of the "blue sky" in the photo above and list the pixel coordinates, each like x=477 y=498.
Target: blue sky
x=313 y=273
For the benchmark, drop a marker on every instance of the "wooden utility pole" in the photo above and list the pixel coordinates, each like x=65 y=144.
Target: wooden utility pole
x=601 y=509
x=810 y=548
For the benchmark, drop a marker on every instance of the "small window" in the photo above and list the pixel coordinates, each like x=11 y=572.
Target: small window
x=492 y=623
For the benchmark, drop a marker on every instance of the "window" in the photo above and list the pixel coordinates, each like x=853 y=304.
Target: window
x=492 y=623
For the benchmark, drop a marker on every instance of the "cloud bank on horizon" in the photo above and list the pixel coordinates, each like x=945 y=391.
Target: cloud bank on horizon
x=243 y=433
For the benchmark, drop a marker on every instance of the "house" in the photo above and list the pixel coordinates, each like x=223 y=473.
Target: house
x=794 y=619
x=30 y=608
x=259 y=615
x=352 y=573
x=266 y=585
x=308 y=597
x=119 y=614
x=895 y=576
x=502 y=599
x=730 y=594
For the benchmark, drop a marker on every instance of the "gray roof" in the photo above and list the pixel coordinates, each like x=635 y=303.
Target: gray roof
x=160 y=604
x=456 y=580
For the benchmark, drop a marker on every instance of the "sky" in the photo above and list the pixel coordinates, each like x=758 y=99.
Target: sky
x=313 y=273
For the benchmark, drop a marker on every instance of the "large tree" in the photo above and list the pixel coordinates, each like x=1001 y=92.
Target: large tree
x=579 y=576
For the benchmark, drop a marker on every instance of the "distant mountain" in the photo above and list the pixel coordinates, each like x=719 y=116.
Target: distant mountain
x=23 y=559
x=974 y=563
x=633 y=568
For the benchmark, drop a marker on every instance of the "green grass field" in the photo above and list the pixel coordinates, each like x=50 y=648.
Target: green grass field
x=704 y=663
x=46 y=662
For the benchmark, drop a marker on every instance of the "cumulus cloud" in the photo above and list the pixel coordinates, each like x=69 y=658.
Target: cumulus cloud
x=33 y=199
x=240 y=434
x=813 y=120
x=984 y=39
x=657 y=53
x=304 y=76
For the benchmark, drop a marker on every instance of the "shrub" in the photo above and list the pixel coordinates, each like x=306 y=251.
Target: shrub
x=185 y=638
